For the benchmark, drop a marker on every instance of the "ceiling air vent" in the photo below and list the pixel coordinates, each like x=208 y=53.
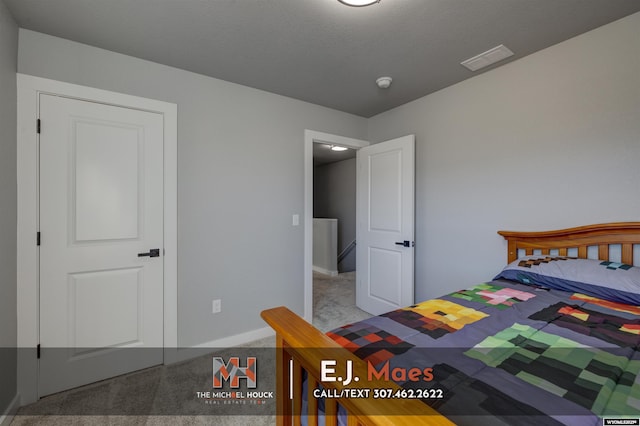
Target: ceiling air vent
x=487 y=58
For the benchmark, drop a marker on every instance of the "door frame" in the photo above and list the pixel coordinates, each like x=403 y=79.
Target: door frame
x=29 y=89
x=311 y=137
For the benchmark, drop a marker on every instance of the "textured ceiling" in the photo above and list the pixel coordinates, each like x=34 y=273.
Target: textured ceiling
x=321 y=51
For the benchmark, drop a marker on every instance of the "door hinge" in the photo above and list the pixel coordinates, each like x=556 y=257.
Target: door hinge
x=38 y=350
x=38 y=126
x=38 y=238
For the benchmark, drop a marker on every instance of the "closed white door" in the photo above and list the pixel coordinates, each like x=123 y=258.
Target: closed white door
x=385 y=230
x=101 y=248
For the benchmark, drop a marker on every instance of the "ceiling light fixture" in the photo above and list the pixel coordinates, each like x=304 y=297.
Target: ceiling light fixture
x=359 y=3
x=338 y=148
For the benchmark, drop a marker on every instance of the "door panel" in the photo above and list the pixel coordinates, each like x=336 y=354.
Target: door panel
x=101 y=203
x=385 y=266
x=385 y=174
x=105 y=180
x=93 y=296
x=385 y=215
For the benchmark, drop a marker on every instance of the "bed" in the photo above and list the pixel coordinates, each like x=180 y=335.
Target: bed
x=554 y=338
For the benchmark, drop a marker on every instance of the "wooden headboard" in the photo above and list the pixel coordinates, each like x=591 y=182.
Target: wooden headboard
x=626 y=234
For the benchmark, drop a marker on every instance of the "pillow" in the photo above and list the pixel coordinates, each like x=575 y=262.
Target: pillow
x=612 y=281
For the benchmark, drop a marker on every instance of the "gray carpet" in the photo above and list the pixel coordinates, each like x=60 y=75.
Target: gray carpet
x=334 y=301
x=167 y=390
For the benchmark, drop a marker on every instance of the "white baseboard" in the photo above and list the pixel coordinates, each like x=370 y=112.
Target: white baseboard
x=10 y=412
x=325 y=271
x=225 y=342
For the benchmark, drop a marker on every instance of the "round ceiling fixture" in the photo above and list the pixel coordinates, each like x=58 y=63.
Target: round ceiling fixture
x=384 y=82
x=338 y=148
x=359 y=3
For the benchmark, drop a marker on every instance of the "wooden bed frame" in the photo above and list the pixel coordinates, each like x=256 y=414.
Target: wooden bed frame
x=300 y=346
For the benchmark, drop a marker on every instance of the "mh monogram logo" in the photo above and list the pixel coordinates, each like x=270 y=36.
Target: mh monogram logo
x=232 y=372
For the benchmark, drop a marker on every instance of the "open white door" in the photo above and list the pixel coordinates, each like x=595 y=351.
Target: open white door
x=101 y=253
x=385 y=230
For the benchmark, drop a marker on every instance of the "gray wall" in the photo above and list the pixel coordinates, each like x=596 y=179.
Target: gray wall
x=8 y=343
x=545 y=142
x=334 y=192
x=240 y=179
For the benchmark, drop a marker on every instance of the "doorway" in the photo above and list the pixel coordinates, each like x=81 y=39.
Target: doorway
x=334 y=209
x=30 y=91
x=334 y=236
x=311 y=139
x=385 y=221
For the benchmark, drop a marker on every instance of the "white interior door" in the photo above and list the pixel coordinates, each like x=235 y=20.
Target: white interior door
x=385 y=225
x=101 y=205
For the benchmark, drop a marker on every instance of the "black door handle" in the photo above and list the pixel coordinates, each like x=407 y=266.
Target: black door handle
x=404 y=243
x=150 y=253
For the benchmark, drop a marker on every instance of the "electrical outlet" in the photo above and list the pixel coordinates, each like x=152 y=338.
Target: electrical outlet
x=216 y=306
